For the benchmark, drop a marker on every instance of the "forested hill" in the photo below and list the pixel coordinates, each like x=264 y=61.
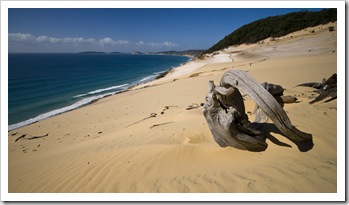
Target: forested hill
x=275 y=26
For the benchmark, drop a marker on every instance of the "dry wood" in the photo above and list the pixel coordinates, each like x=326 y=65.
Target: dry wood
x=326 y=89
x=156 y=125
x=30 y=138
x=192 y=106
x=273 y=89
x=288 y=99
x=20 y=137
x=150 y=116
x=36 y=137
x=266 y=101
x=276 y=91
x=224 y=111
x=228 y=122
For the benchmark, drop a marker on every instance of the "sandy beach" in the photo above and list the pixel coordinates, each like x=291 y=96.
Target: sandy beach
x=146 y=141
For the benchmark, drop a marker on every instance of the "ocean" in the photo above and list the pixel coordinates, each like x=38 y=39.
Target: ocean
x=44 y=85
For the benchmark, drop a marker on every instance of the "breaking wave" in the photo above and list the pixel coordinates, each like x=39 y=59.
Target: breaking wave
x=102 y=90
x=76 y=105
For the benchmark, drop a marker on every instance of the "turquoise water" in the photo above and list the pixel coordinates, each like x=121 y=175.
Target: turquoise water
x=44 y=85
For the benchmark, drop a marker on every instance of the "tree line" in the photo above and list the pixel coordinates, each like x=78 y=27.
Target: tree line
x=275 y=26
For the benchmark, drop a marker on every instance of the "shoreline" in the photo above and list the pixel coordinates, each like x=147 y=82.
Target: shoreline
x=226 y=55
x=41 y=117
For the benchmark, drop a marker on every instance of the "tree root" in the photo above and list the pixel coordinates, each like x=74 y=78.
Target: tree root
x=30 y=138
x=156 y=125
x=151 y=115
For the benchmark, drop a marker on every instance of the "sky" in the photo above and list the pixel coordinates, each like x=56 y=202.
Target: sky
x=54 y=30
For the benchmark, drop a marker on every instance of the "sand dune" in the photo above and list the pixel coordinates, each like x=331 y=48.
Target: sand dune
x=114 y=145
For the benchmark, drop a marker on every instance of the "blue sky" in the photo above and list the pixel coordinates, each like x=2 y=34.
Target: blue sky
x=126 y=30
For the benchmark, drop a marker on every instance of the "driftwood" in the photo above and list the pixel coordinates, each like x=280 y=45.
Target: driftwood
x=326 y=89
x=156 y=125
x=277 y=92
x=288 y=99
x=150 y=116
x=274 y=90
x=36 y=137
x=20 y=137
x=193 y=106
x=30 y=138
x=224 y=111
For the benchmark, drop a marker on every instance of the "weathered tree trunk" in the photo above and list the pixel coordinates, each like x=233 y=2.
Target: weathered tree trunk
x=224 y=111
x=326 y=89
x=277 y=92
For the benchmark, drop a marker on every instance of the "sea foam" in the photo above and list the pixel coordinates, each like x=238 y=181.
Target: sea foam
x=147 y=78
x=76 y=105
x=55 y=84
x=101 y=90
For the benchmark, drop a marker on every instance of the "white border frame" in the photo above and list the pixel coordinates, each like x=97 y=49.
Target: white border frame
x=339 y=196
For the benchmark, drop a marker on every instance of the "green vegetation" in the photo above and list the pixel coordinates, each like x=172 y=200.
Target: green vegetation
x=163 y=74
x=275 y=26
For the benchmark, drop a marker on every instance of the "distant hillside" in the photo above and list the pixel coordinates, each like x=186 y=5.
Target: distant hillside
x=92 y=52
x=191 y=53
x=275 y=26
x=136 y=52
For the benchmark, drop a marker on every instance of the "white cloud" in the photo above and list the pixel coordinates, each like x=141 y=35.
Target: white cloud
x=21 y=37
x=74 y=41
x=165 y=44
x=28 y=39
x=169 y=44
x=42 y=39
x=106 y=41
x=140 y=43
x=110 y=42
